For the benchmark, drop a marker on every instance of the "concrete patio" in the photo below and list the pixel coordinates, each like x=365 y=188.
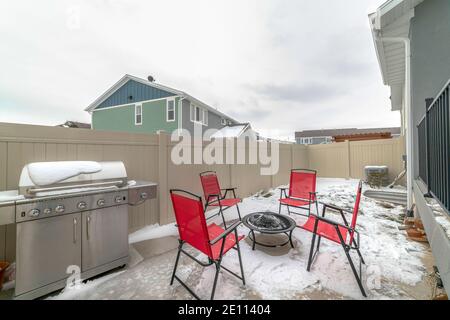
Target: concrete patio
x=397 y=268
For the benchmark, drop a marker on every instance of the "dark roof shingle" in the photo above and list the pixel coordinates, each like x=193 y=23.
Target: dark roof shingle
x=341 y=132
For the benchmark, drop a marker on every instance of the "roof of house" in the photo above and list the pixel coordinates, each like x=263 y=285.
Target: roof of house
x=232 y=131
x=176 y=92
x=341 y=132
x=75 y=124
x=392 y=20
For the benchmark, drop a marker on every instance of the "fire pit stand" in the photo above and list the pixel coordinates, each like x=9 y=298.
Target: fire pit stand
x=269 y=223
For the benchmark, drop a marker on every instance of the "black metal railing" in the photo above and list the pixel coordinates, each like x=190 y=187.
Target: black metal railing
x=434 y=147
x=422 y=151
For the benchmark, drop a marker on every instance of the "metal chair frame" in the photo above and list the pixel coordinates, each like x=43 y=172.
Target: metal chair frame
x=213 y=198
x=216 y=262
x=311 y=201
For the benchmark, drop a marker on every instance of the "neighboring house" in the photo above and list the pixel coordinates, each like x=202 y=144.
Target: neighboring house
x=412 y=41
x=138 y=105
x=309 y=137
x=75 y=124
x=236 y=131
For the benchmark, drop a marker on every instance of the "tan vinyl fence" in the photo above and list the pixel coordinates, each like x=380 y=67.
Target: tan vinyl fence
x=348 y=159
x=148 y=157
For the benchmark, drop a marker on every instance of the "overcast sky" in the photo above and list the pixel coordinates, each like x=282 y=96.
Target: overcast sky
x=281 y=65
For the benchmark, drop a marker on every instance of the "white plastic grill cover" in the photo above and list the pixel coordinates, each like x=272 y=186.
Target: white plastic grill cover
x=39 y=174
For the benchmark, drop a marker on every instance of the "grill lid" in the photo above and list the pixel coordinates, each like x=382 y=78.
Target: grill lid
x=59 y=176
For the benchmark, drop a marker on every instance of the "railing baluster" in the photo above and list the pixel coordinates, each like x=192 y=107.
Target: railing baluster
x=447 y=148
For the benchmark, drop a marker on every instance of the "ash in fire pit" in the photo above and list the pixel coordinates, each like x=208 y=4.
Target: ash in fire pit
x=269 y=222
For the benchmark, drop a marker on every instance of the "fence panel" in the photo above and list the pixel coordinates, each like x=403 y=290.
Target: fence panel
x=330 y=160
x=148 y=157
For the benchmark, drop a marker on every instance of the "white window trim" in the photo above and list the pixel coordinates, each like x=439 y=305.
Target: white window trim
x=136 y=114
x=201 y=112
x=167 y=110
x=205 y=117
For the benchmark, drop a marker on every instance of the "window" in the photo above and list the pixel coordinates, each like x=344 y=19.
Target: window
x=205 y=117
x=199 y=115
x=192 y=113
x=170 y=110
x=138 y=114
x=223 y=121
x=306 y=140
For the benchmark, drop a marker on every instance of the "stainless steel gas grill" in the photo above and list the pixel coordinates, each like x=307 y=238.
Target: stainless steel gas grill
x=79 y=218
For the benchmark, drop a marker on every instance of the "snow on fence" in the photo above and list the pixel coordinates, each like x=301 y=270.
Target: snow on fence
x=147 y=156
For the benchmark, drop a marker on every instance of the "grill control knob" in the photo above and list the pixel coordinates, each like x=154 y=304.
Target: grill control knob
x=82 y=205
x=47 y=210
x=144 y=195
x=101 y=202
x=118 y=199
x=60 y=209
x=34 y=212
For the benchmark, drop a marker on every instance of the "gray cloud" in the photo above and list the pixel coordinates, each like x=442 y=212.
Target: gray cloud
x=307 y=93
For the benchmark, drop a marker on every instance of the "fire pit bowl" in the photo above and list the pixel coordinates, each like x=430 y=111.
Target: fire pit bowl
x=269 y=223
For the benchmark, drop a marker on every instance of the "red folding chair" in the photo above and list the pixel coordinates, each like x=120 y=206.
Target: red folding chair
x=211 y=239
x=344 y=234
x=215 y=198
x=302 y=191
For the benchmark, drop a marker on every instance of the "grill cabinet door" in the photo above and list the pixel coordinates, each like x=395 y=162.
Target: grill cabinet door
x=105 y=236
x=45 y=248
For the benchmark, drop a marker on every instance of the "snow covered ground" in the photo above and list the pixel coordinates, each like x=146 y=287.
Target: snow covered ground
x=395 y=267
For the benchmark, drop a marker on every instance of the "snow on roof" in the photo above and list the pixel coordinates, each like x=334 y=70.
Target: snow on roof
x=234 y=131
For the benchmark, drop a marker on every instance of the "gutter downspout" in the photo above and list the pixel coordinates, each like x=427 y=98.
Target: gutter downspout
x=180 y=115
x=409 y=118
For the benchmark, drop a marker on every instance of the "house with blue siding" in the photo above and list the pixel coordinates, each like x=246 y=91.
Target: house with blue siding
x=142 y=106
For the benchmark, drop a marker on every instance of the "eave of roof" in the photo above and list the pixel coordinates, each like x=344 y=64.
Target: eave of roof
x=392 y=20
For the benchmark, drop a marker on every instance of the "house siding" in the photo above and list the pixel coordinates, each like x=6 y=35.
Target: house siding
x=430 y=70
x=138 y=91
x=214 y=120
x=123 y=118
x=430 y=60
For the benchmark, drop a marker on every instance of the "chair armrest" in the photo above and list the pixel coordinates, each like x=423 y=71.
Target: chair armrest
x=336 y=208
x=331 y=206
x=218 y=196
x=334 y=223
x=226 y=233
x=229 y=189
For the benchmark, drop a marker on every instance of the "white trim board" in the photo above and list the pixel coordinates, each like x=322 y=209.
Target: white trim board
x=136 y=114
x=174 y=109
x=133 y=103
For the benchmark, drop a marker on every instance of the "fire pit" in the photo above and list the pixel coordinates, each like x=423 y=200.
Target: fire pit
x=269 y=223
